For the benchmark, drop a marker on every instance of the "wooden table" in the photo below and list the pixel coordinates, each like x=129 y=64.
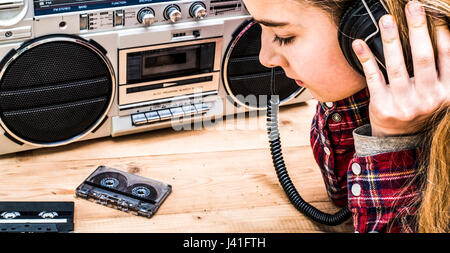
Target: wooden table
x=222 y=177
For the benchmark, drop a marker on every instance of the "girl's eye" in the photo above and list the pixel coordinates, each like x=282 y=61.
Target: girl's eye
x=283 y=41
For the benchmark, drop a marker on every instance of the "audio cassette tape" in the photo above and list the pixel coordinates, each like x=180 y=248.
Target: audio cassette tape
x=36 y=217
x=125 y=191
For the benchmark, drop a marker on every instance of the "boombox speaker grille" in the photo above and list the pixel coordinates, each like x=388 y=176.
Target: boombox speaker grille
x=54 y=89
x=244 y=75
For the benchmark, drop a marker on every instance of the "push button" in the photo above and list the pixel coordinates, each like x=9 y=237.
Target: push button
x=152 y=117
x=177 y=112
x=165 y=114
x=138 y=119
x=189 y=109
x=201 y=107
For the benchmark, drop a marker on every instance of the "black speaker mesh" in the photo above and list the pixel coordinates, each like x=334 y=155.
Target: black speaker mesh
x=53 y=62
x=54 y=91
x=245 y=74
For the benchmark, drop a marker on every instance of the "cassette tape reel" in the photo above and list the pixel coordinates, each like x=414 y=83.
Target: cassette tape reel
x=124 y=191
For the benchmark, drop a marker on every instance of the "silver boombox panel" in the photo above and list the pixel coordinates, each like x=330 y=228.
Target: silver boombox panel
x=119 y=31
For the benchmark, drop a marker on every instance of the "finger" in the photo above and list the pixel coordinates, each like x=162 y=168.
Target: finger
x=374 y=77
x=443 y=48
x=393 y=54
x=421 y=48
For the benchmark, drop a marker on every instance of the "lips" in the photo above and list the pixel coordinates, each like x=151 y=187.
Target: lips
x=300 y=83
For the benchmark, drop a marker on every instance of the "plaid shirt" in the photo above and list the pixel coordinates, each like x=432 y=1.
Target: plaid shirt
x=378 y=189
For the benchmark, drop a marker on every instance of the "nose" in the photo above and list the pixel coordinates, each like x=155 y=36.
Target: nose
x=268 y=56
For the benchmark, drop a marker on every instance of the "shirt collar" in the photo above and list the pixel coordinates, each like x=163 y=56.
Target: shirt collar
x=355 y=101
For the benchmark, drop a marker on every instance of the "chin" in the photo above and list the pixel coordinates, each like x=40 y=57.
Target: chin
x=324 y=97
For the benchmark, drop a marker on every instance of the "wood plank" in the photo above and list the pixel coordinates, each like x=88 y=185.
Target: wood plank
x=269 y=219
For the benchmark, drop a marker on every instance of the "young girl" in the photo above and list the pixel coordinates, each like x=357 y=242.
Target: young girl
x=388 y=159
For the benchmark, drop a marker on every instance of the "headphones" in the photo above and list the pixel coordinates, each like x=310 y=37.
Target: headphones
x=360 y=21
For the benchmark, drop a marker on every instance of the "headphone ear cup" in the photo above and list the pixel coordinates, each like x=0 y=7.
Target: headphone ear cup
x=356 y=23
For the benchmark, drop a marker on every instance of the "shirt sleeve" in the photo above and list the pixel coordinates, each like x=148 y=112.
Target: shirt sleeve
x=366 y=144
x=382 y=182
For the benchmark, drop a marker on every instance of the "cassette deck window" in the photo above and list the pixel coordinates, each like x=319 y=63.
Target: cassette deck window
x=170 y=62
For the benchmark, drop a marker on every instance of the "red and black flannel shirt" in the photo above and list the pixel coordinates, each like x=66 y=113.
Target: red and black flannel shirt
x=378 y=189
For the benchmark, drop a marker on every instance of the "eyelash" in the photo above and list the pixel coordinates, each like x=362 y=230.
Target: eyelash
x=283 y=41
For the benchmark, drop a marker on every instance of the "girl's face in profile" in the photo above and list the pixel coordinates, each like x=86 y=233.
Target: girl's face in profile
x=302 y=39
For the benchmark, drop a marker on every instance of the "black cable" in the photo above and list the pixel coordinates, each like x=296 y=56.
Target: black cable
x=283 y=176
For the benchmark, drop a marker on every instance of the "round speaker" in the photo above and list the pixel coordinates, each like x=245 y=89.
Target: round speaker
x=245 y=78
x=54 y=90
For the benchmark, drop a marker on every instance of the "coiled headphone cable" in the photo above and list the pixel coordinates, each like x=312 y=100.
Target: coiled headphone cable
x=283 y=176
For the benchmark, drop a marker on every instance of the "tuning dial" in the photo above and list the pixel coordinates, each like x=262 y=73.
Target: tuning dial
x=172 y=13
x=146 y=16
x=198 y=10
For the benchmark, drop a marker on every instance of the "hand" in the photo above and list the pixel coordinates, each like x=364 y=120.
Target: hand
x=403 y=106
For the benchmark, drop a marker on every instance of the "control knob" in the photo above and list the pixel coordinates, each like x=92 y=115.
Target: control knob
x=146 y=16
x=198 y=10
x=172 y=13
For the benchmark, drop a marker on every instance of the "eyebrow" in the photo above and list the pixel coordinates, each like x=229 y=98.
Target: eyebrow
x=271 y=23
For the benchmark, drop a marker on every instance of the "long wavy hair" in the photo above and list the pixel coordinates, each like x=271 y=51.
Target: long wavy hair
x=434 y=171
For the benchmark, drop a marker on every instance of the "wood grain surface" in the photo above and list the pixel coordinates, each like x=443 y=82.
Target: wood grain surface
x=222 y=177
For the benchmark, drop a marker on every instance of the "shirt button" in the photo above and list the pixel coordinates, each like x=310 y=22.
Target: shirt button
x=329 y=104
x=327 y=150
x=336 y=117
x=356 y=168
x=356 y=190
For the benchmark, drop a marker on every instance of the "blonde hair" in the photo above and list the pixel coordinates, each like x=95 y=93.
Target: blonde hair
x=433 y=213
x=434 y=169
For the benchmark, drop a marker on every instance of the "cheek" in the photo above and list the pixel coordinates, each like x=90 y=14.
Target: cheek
x=325 y=71
x=315 y=65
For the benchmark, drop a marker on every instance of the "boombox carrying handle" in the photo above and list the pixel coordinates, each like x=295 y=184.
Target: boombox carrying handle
x=283 y=176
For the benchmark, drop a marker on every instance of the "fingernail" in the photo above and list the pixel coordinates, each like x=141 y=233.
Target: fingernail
x=387 y=22
x=415 y=8
x=358 y=47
